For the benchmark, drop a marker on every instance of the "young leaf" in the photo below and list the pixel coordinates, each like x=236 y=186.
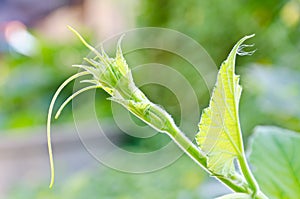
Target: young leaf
x=276 y=161
x=219 y=129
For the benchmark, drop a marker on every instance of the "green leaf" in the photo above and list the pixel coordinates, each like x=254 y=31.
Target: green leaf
x=276 y=161
x=219 y=129
x=235 y=196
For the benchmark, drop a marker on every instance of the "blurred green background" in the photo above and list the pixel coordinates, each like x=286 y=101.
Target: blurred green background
x=32 y=68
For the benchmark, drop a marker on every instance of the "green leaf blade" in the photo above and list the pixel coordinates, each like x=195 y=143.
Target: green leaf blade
x=219 y=129
x=276 y=161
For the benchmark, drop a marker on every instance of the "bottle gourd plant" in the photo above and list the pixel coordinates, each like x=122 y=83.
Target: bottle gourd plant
x=219 y=150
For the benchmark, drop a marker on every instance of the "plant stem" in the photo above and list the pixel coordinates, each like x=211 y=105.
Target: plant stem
x=244 y=167
x=249 y=177
x=247 y=173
